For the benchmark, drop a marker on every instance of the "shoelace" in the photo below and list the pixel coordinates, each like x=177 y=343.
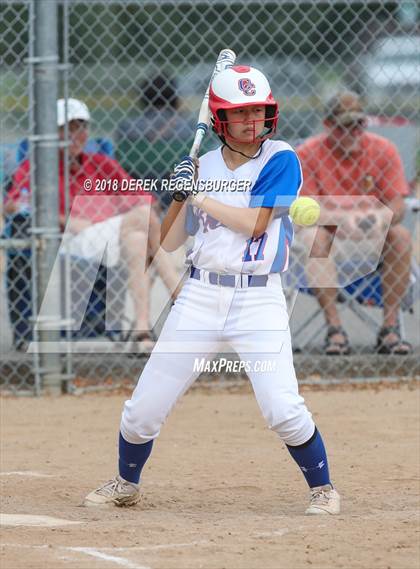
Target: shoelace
x=110 y=487
x=319 y=496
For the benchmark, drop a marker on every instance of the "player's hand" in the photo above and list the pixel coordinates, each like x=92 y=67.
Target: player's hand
x=183 y=179
x=197 y=199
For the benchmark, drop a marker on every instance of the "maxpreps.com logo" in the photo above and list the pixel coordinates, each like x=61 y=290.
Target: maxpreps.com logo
x=247 y=87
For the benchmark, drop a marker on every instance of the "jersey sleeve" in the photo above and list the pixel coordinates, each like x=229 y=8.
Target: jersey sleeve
x=279 y=181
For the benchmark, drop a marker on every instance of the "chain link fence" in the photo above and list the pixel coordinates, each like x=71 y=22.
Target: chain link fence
x=141 y=69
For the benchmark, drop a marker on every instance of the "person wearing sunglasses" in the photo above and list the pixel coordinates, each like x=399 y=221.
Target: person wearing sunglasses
x=356 y=173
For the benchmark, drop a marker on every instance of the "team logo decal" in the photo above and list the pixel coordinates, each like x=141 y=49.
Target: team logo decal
x=247 y=87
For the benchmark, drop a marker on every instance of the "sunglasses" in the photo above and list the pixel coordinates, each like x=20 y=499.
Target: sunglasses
x=351 y=127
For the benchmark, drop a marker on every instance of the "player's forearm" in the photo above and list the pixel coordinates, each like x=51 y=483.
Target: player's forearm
x=244 y=220
x=172 y=231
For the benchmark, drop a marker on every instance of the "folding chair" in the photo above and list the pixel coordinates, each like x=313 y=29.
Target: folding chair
x=93 y=146
x=19 y=275
x=357 y=296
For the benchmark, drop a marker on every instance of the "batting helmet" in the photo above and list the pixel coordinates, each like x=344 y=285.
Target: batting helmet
x=241 y=86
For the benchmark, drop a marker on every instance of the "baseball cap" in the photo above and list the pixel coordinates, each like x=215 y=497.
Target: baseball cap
x=76 y=110
x=345 y=108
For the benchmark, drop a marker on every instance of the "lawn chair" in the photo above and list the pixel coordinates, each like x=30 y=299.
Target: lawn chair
x=361 y=294
x=82 y=274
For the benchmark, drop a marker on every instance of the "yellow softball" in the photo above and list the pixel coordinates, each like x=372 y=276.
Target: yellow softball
x=305 y=211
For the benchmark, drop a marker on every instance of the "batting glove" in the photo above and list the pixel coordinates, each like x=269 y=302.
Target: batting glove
x=182 y=180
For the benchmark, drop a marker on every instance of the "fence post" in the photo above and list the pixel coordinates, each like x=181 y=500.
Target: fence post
x=44 y=152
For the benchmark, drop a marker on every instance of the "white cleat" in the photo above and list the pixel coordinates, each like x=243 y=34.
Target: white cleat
x=324 y=500
x=116 y=491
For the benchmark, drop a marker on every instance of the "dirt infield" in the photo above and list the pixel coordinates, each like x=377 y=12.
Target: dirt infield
x=219 y=491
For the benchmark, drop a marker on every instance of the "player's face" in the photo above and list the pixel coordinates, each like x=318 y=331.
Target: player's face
x=245 y=124
x=78 y=136
x=345 y=138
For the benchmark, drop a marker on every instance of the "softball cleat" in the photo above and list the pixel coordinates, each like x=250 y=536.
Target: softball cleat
x=116 y=491
x=324 y=500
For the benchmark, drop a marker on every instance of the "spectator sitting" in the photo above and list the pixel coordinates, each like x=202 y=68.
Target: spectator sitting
x=346 y=160
x=160 y=119
x=160 y=122
x=128 y=223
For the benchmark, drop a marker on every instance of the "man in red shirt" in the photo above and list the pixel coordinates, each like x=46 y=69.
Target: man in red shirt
x=103 y=213
x=347 y=161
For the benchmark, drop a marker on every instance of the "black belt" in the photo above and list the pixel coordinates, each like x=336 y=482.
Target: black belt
x=241 y=280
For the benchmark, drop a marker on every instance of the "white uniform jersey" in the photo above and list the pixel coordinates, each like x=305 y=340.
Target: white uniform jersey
x=273 y=180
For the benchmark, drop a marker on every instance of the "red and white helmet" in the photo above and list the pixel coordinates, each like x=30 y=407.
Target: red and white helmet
x=241 y=86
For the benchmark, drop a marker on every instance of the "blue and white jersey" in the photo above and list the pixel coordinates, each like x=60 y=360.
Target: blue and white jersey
x=272 y=180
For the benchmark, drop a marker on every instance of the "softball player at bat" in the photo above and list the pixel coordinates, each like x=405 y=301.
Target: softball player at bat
x=233 y=296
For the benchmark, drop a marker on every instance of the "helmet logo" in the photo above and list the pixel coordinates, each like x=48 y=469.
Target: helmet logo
x=247 y=87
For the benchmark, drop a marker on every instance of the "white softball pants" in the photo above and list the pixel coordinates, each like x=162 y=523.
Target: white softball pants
x=209 y=319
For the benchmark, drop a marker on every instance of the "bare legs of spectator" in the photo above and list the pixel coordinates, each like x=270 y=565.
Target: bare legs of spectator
x=316 y=273
x=134 y=253
x=140 y=241
x=145 y=219
x=161 y=259
x=395 y=276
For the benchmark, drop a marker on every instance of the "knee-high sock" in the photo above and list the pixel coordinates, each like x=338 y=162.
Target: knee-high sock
x=312 y=460
x=132 y=458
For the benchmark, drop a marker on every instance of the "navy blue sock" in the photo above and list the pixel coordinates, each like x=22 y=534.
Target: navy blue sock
x=312 y=459
x=132 y=458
